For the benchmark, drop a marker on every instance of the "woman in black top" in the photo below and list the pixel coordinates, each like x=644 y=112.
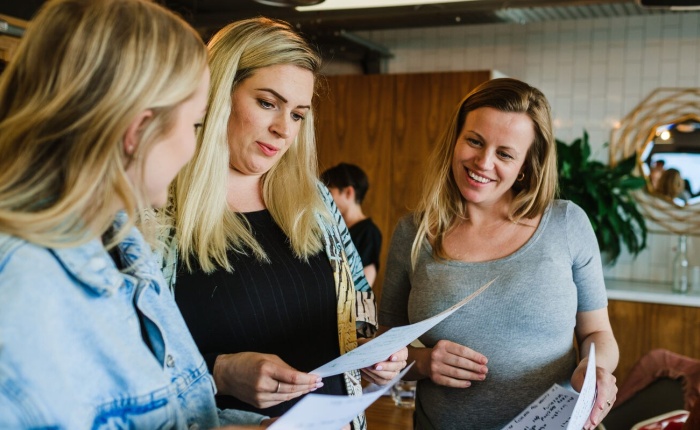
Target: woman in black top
x=267 y=278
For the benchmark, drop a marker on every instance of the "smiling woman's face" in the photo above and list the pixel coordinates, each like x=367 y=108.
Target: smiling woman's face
x=490 y=152
x=267 y=111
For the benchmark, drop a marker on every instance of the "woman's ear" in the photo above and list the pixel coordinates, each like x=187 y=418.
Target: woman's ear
x=132 y=137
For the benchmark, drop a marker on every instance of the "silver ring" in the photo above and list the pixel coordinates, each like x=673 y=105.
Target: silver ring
x=279 y=383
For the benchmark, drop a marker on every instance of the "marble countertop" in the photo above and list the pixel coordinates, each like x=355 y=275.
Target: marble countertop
x=649 y=292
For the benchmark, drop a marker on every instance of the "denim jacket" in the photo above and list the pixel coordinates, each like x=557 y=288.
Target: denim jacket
x=72 y=349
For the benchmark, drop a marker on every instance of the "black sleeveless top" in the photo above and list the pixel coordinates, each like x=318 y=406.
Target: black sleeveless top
x=286 y=307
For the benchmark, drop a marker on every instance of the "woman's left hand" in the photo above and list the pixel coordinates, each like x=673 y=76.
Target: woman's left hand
x=606 y=392
x=383 y=372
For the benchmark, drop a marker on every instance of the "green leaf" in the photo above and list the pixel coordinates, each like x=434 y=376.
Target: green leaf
x=603 y=192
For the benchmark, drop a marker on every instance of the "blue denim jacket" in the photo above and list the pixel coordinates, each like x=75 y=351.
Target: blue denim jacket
x=72 y=350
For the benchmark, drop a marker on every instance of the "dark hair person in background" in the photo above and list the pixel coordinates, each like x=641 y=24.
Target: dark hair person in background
x=98 y=112
x=348 y=185
x=487 y=210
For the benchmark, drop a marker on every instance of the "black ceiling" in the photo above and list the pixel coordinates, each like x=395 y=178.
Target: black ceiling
x=334 y=31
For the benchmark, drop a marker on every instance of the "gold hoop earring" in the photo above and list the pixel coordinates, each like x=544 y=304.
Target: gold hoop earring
x=521 y=176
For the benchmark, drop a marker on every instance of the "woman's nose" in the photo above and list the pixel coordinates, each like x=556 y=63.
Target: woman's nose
x=281 y=126
x=484 y=160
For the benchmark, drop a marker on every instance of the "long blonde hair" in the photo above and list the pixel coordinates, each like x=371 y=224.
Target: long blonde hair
x=205 y=227
x=441 y=202
x=82 y=73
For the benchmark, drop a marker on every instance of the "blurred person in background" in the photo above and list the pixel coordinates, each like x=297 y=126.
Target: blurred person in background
x=348 y=185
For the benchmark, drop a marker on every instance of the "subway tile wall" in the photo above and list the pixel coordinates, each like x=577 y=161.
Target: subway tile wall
x=592 y=71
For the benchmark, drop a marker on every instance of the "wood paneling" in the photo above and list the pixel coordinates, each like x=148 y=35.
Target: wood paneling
x=425 y=103
x=387 y=124
x=641 y=327
x=354 y=125
x=9 y=44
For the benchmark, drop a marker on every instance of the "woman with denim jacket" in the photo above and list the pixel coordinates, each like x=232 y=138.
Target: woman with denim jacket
x=98 y=112
x=267 y=278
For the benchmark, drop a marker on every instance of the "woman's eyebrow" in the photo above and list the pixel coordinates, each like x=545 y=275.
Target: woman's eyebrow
x=279 y=96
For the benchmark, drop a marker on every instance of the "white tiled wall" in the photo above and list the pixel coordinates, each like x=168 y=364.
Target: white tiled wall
x=593 y=72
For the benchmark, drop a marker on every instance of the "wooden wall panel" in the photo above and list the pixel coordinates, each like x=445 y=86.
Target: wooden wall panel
x=641 y=327
x=9 y=44
x=354 y=125
x=424 y=104
x=386 y=124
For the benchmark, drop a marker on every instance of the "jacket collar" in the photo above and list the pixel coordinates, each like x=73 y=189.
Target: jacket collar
x=92 y=265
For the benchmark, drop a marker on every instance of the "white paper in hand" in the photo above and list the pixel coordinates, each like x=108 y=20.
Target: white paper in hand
x=587 y=396
x=329 y=412
x=560 y=408
x=381 y=347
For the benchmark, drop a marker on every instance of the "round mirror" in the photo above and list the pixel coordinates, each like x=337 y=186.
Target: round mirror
x=670 y=161
x=663 y=131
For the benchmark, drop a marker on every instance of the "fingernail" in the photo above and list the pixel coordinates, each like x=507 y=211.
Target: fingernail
x=319 y=384
x=469 y=384
x=393 y=358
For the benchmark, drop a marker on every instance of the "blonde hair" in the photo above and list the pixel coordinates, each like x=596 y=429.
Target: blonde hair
x=671 y=183
x=82 y=73
x=205 y=227
x=441 y=202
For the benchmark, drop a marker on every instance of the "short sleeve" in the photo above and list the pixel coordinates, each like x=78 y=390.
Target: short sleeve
x=586 y=266
x=368 y=241
x=393 y=310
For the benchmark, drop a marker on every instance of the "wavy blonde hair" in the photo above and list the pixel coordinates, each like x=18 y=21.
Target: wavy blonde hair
x=205 y=227
x=82 y=73
x=441 y=202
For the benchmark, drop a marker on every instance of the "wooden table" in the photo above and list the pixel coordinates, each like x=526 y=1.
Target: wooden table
x=385 y=415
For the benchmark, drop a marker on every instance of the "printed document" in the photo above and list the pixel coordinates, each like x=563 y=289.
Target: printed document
x=560 y=408
x=381 y=347
x=329 y=412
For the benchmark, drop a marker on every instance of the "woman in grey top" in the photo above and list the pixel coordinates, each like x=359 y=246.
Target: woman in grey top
x=488 y=211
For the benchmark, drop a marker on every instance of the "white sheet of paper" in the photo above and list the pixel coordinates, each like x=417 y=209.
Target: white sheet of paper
x=329 y=412
x=551 y=410
x=586 y=397
x=560 y=408
x=381 y=347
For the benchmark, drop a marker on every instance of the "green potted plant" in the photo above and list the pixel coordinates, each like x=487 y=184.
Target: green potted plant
x=604 y=193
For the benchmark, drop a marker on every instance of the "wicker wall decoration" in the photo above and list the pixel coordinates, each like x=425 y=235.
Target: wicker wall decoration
x=662 y=106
